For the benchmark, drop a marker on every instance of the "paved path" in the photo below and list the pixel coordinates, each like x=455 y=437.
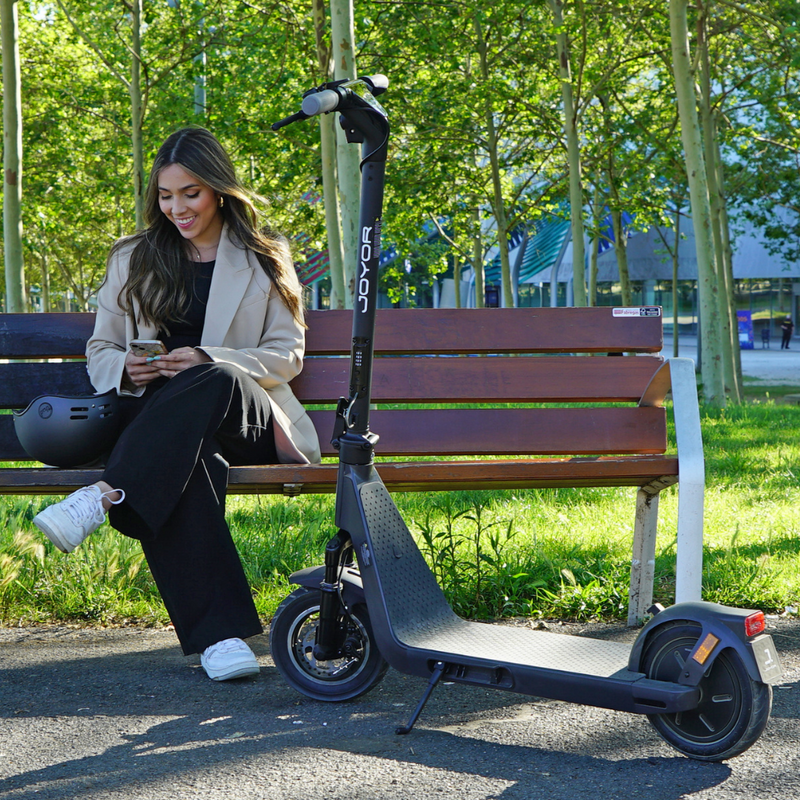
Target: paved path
x=121 y=715
x=762 y=366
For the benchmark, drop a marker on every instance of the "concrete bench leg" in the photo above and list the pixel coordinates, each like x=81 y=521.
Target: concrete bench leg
x=643 y=565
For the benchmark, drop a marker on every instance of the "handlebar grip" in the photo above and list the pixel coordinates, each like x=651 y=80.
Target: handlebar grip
x=378 y=83
x=320 y=102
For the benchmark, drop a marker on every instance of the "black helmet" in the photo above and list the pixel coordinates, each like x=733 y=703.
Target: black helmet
x=68 y=431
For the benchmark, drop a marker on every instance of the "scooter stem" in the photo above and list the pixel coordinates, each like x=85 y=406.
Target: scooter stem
x=364 y=124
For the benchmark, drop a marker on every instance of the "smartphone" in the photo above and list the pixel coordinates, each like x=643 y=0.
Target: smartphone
x=147 y=348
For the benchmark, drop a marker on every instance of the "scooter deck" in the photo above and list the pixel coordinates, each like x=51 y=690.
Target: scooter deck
x=422 y=618
x=423 y=630
x=507 y=645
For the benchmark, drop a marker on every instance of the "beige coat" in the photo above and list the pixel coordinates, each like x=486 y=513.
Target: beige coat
x=247 y=324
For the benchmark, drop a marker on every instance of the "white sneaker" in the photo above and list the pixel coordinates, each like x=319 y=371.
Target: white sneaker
x=68 y=523
x=230 y=658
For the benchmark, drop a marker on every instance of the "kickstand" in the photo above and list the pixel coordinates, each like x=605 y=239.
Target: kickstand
x=438 y=671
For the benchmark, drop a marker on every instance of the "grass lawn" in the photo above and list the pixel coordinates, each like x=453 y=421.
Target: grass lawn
x=555 y=553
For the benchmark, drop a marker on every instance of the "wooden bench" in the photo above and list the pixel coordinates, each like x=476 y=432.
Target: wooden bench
x=470 y=365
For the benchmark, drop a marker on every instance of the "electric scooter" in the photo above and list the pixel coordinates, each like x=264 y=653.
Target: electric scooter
x=701 y=672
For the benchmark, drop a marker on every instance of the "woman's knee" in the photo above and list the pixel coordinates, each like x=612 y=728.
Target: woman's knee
x=214 y=373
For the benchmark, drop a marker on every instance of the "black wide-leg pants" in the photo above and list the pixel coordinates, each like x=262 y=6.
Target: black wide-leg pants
x=172 y=461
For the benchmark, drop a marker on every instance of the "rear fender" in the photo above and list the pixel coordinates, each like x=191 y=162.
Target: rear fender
x=723 y=622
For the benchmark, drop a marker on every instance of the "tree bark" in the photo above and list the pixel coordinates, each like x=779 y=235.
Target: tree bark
x=675 y=253
x=573 y=154
x=621 y=253
x=327 y=132
x=711 y=345
x=347 y=156
x=728 y=325
x=727 y=259
x=477 y=259
x=493 y=146
x=594 y=252
x=16 y=301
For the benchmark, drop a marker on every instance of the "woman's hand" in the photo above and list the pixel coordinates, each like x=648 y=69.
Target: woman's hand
x=179 y=360
x=139 y=370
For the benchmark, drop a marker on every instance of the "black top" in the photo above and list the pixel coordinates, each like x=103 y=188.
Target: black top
x=188 y=332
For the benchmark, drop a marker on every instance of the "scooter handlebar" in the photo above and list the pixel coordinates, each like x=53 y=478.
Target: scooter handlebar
x=324 y=100
x=320 y=102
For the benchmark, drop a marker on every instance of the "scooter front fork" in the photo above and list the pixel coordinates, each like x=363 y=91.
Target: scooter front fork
x=331 y=632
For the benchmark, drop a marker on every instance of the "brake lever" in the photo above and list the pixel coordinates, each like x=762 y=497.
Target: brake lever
x=282 y=123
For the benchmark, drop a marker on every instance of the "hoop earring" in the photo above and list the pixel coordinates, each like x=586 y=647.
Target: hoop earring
x=221 y=201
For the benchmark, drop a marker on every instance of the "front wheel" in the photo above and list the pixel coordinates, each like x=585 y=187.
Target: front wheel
x=733 y=708
x=291 y=639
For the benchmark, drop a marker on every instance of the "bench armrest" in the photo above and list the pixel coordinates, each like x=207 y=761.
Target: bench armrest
x=678 y=375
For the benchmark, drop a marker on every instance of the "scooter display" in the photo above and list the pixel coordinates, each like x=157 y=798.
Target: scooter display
x=701 y=672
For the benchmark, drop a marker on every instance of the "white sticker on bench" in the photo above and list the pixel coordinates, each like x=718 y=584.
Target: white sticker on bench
x=639 y=311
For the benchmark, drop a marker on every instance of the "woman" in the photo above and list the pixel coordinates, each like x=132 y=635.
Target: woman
x=226 y=302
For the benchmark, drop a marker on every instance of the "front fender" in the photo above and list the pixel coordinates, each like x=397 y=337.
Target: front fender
x=352 y=587
x=724 y=622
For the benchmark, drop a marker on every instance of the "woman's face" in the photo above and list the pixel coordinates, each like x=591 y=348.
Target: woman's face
x=192 y=206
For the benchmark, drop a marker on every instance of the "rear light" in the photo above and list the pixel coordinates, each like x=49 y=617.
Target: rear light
x=755 y=623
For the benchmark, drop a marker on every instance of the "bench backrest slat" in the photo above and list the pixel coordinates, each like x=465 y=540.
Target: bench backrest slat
x=500 y=330
x=58 y=335
x=515 y=379
x=510 y=330
x=510 y=431
x=22 y=382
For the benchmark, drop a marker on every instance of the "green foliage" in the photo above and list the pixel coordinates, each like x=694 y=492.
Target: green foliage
x=455 y=67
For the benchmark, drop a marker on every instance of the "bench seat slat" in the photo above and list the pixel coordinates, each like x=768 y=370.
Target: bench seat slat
x=398 y=476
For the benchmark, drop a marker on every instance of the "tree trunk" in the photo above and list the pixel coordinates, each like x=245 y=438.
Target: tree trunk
x=477 y=259
x=621 y=252
x=710 y=348
x=347 y=156
x=573 y=153
x=12 y=160
x=136 y=112
x=675 y=346
x=594 y=253
x=45 y=279
x=327 y=132
x=620 y=239
x=498 y=204
x=456 y=276
x=728 y=326
x=727 y=259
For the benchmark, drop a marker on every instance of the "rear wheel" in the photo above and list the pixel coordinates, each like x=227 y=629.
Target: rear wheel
x=733 y=708
x=292 y=637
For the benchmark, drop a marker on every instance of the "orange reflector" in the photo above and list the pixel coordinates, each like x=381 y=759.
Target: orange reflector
x=706 y=649
x=755 y=623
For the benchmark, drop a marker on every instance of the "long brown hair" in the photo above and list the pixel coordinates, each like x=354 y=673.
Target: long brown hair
x=160 y=275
